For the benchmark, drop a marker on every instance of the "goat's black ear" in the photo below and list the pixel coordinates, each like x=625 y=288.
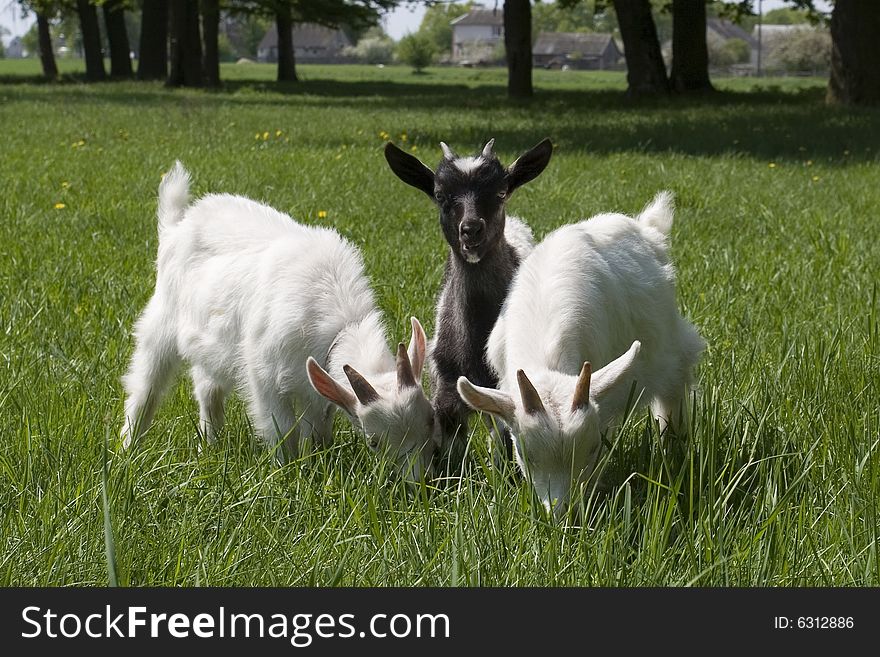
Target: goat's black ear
x=410 y=169
x=529 y=165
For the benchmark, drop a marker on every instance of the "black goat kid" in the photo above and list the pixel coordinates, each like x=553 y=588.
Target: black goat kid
x=485 y=249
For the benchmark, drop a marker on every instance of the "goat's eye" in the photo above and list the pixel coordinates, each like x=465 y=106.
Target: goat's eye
x=440 y=196
x=502 y=194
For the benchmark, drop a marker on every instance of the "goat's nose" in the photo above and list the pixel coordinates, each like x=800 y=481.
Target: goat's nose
x=471 y=230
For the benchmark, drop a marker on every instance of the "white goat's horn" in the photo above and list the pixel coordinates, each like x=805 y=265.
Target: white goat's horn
x=582 y=388
x=531 y=401
x=365 y=393
x=405 y=376
x=488 y=149
x=447 y=152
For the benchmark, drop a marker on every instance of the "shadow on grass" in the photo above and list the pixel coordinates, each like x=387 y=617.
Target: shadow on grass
x=767 y=123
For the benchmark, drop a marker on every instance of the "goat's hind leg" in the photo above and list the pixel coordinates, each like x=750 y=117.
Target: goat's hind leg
x=211 y=397
x=153 y=365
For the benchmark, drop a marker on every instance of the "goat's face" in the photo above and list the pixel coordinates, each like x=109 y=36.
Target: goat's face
x=470 y=192
x=556 y=434
x=391 y=409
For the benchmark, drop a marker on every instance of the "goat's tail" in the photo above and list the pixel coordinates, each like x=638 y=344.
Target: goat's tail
x=173 y=196
x=658 y=213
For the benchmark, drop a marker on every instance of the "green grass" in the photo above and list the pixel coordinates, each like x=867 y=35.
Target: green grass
x=776 y=246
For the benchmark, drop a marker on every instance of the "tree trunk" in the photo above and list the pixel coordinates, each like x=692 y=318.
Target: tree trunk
x=518 y=47
x=153 y=61
x=186 y=45
x=211 y=32
x=645 y=70
x=690 y=54
x=286 y=60
x=47 y=54
x=120 y=51
x=855 y=54
x=91 y=36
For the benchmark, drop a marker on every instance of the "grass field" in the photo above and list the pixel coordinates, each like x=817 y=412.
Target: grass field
x=776 y=243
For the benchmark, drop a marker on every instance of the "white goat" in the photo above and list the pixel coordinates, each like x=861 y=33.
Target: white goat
x=589 y=292
x=246 y=295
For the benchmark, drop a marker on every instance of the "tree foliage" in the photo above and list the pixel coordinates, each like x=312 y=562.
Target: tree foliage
x=435 y=25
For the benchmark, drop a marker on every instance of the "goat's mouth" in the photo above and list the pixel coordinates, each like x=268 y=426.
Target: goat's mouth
x=471 y=252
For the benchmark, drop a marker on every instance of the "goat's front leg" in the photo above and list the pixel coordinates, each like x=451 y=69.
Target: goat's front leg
x=451 y=415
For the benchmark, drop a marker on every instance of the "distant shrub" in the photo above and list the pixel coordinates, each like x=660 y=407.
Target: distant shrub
x=415 y=50
x=728 y=53
x=372 y=50
x=805 y=51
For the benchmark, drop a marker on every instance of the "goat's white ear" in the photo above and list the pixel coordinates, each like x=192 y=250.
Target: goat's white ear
x=327 y=387
x=418 y=345
x=488 y=400
x=448 y=153
x=610 y=385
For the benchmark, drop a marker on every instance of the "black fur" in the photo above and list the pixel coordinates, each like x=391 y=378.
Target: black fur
x=472 y=218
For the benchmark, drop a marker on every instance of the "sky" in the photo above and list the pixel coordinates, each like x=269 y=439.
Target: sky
x=404 y=19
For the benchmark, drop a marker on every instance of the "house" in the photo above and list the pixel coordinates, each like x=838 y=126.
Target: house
x=312 y=44
x=576 y=50
x=15 y=49
x=477 y=34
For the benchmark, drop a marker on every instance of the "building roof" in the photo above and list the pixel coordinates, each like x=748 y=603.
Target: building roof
x=480 y=17
x=561 y=43
x=728 y=30
x=309 y=35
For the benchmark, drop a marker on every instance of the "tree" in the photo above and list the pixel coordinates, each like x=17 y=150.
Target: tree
x=518 y=47
x=211 y=35
x=186 y=45
x=47 y=54
x=117 y=36
x=286 y=59
x=435 y=25
x=646 y=72
x=690 y=53
x=557 y=17
x=153 y=60
x=91 y=36
x=415 y=50
x=855 y=55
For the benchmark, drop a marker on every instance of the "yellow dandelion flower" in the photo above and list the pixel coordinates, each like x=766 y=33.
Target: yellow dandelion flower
x=815 y=178
x=772 y=165
x=257 y=136
x=402 y=136
x=278 y=133
x=266 y=135
x=65 y=185
x=809 y=163
x=60 y=206
x=413 y=148
x=322 y=214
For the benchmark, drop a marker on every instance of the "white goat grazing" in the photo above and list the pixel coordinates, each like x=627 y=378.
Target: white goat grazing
x=246 y=295
x=588 y=293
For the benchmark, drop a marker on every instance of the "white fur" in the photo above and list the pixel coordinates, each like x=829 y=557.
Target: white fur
x=468 y=164
x=245 y=295
x=590 y=291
